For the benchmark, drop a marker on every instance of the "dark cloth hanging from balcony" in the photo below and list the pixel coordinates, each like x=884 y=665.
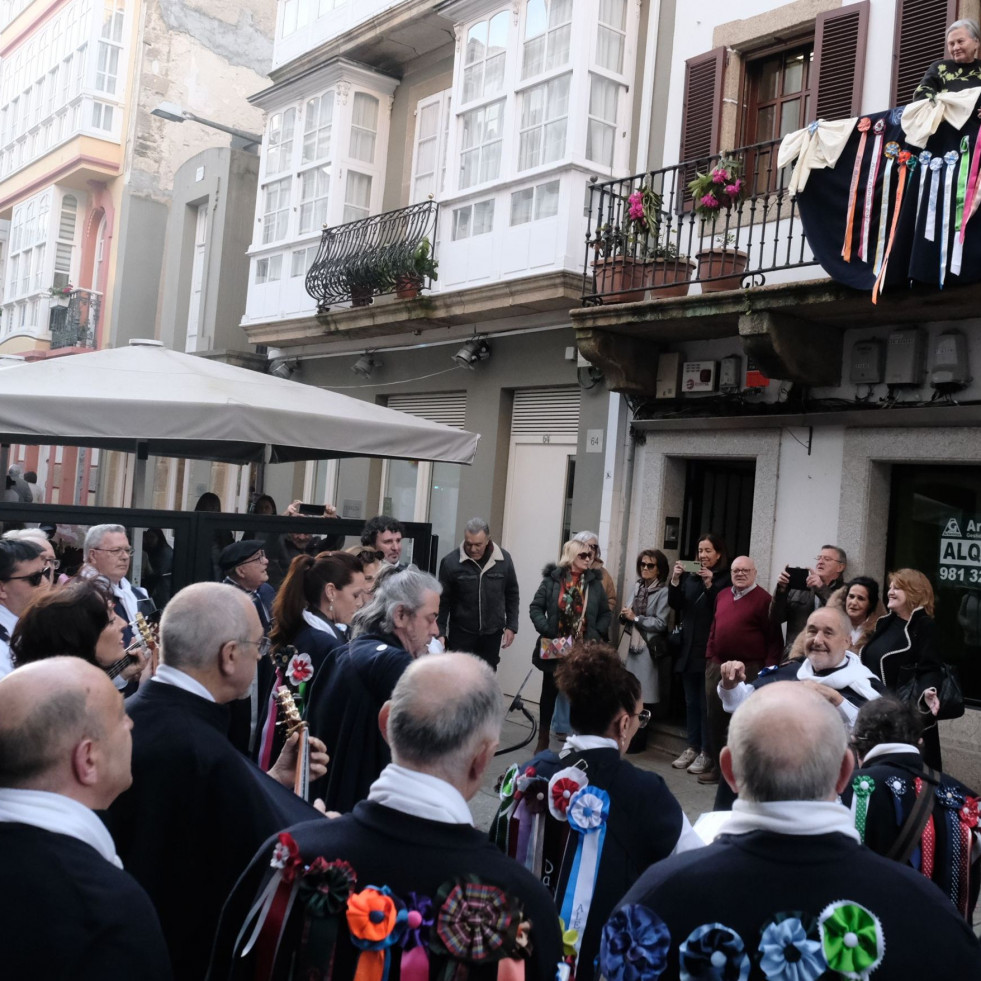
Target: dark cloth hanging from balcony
x=913 y=258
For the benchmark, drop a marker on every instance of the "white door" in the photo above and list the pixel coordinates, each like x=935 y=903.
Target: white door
x=538 y=473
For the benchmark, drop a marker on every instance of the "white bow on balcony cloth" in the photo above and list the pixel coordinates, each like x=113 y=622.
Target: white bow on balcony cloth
x=921 y=118
x=814 y=147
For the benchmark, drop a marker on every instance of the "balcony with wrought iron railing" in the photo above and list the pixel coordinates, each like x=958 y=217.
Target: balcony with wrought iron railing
x=389 y=253
x=75 y=323
x=647 y=235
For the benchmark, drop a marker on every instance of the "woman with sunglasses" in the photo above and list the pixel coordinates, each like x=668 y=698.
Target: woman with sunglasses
x=77 y=620
x=645 y=822
x=645 y=617
x=570 y=602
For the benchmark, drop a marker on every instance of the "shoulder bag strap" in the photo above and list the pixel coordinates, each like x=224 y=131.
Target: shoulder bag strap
x=912 y=829
x=581 y=626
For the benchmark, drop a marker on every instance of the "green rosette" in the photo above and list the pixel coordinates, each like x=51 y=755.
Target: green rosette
x=852 y=939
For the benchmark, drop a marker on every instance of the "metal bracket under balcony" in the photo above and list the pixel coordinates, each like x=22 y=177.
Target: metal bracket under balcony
x=74 y=324
x=389 y=253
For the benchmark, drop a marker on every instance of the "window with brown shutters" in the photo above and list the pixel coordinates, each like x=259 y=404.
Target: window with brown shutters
x=921 y=31
x=702 y=105
x=840 y=38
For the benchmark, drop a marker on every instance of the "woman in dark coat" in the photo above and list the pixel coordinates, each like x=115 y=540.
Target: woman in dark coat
x=692 y=597
x=645 y=823
x=904 y=639
x=570 y=602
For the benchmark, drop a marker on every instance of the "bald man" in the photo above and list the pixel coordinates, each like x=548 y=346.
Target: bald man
x=67 y=908
x=198 y=808
x=414 y=833
x=791 y=848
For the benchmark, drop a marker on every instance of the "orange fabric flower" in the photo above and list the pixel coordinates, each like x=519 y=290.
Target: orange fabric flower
x=371 y=915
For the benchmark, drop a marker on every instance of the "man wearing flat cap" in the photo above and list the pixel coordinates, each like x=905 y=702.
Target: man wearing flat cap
x=245 y=566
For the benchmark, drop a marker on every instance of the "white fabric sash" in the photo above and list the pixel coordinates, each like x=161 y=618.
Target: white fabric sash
x=579 y=744
x=419 y=794
x=921 y=119
x=791 y=817
x=318 y=623
x=852 y=674
x=815 y=147
x=59 y=814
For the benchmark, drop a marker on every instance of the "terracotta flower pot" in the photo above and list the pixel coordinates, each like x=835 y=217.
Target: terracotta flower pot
x=670 y=277
x=407 y=287
x=730 y=264
x=361 y=296
x=622 y=276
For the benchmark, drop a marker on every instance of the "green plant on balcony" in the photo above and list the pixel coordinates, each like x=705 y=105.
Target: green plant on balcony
x=61 y=292
x=720 y=189
x=420 y=267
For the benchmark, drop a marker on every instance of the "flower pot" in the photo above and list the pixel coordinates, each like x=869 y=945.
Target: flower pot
x=730 y=264
x=670 y=277
x=361 y=296
x=407 y=287
x=623 y=276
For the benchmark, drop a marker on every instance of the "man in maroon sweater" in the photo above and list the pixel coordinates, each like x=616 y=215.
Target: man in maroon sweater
x=741 y=630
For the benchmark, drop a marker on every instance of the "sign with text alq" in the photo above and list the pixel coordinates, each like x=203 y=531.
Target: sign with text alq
x=960 y=552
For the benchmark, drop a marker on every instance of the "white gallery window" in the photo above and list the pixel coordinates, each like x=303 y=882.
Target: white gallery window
x=301 y=260
x=357 y=196
x=429 y=154
x=601 y=129
x=314 y=189
x=610 y=34
x=473 y=219
x=275 y=210
x=535 y=203
x=318 y=116
x=483 y=59
x=544 y=117
x=548 y=32
x=364 y=127
x=268 y=269
x=102 y=116
x=279 y=152
x=480 y=144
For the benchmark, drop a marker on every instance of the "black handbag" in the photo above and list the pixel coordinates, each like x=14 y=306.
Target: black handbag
x=941 y=676
x=675 y=641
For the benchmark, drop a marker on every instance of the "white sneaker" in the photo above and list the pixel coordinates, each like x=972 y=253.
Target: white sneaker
x=701 y=764
x=685 y=760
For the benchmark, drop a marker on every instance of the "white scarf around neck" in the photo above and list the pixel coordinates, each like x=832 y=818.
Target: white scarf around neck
x=852 y=674
x=419 y=794
x=318 y=623
x=888 y=749
x=791 y=817
x=579 y=744
x=60 y=815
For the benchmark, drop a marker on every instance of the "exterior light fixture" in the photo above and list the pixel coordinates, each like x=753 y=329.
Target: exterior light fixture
x=175 y=114
x=284 y=367
x=365 y=365
x=476 y=349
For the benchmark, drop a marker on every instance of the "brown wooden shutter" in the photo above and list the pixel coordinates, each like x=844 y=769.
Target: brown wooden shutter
x=840 y=38
x=920 y=39
x=703 y=104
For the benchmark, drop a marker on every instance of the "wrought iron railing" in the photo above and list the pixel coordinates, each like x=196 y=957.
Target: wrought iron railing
x=734 y=248
x=388 y=253
x=75 y=325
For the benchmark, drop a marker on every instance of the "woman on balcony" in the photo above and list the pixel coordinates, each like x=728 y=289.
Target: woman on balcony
x=961 y=69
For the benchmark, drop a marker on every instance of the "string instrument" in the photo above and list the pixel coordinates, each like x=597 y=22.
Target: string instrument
x=144 y=645
x=291 y=722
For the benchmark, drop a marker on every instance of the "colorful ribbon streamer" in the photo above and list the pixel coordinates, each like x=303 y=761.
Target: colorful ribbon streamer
x=962 y=177
x=862 y=787
x=907 y=164
x=864 y=125
x=878 y=129
x=930 y=232
x=925 y=157
x=891 y=152
x=951 y=158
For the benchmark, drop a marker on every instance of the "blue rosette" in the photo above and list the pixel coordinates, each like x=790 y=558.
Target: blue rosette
x=790 y=951
x=713 y=952
x=634 y=945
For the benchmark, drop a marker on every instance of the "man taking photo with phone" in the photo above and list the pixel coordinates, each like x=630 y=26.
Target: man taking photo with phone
x=793 y=602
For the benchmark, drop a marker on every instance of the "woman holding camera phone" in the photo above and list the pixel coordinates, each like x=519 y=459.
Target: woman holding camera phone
x=692 y=596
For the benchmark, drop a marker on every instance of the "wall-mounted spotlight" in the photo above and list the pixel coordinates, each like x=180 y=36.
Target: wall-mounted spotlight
x=476 y=349
x=365 y=365
x=284 y=367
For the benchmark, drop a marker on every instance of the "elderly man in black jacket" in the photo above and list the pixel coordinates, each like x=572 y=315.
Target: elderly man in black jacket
x=480 y=596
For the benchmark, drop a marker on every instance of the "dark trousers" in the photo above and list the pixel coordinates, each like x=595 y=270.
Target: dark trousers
x=546 y=707
x=486 y=646
x=718 y=718
x=693 y=683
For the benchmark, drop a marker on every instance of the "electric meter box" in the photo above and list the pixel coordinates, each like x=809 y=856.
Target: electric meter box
x=730 y=369
x=668 y=375
x=868 y=359
x=950 y=365
x=698 y=376
x=905 y=359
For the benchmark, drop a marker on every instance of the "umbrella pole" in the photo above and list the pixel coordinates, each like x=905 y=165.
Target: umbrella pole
x=138 y=499
x=4 y=458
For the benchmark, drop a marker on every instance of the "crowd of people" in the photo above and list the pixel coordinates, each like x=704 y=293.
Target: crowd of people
x=331 y=837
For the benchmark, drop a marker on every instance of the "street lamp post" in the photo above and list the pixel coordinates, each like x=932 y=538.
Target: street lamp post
x=176 y=114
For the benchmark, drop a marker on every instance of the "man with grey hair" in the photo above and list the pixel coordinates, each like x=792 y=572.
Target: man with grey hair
x=198 y=808
x=788 y=875
x=414 y=835
x=68 y=908
x=386 y=636
x=480 y=596
x=107 y=553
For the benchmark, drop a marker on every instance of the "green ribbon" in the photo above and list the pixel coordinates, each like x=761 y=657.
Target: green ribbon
x=862 y=787
x=962 y=175
x=851 y=937
x=507 y=784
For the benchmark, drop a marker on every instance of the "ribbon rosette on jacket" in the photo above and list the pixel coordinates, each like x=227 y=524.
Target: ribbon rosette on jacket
x=531 y=795
x=476 y=924
x=377 y=921
x=587 y=813
x=634 y=945
x=420 y=916
x=271 y=909
x=324 y=891
x=509 y=801
x=791 y=951
x=561 y=788
x=852 y=939
x=299 y=669
x=713 y=952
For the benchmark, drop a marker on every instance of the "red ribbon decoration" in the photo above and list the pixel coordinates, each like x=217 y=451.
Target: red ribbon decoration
x=902 y=159
x=864 y=125
x=286 y=852
x=928 y=843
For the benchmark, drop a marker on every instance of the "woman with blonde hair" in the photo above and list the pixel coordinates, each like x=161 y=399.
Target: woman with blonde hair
x=570 y=603
x=903 y=641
